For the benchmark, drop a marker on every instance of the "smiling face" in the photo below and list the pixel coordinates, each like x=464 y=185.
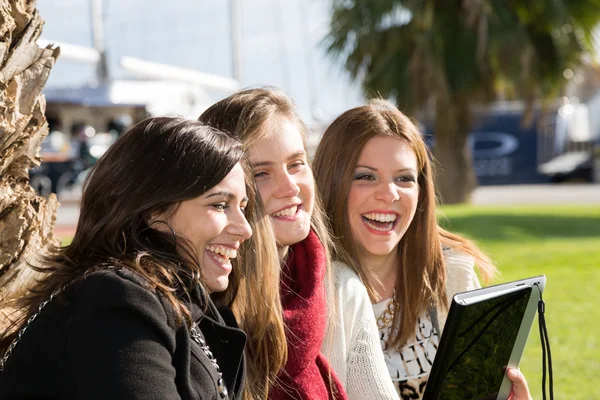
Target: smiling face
x=383 y=196
x=214 y=225
x=285 y=182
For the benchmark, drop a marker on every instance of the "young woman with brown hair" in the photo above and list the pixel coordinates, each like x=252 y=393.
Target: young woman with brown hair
x=124 y=311
x=376 y=180
x=274 y=137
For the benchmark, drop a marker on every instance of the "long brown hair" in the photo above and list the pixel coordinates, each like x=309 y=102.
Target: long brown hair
x=422 y=272
x=250 y=115
x=157 y=164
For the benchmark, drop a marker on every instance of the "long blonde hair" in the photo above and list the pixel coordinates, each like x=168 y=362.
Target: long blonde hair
x=248 y=116
x=422 y=273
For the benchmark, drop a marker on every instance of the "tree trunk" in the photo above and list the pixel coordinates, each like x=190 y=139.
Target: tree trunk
x=26 y=219
x=455 y=176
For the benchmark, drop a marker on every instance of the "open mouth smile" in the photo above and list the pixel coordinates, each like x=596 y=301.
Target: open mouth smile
x=286 y=213
x=380 y=222
x=221 y=254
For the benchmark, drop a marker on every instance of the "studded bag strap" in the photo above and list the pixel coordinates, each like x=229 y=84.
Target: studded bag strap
x=9 y=351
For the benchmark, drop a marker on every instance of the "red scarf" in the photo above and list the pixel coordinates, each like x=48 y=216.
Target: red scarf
x=307 y=374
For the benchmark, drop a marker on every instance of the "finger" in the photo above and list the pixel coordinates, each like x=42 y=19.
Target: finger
x=519 y=388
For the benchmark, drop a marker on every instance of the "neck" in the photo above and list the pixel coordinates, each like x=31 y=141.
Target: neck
x=382 y=273
x=283 y=252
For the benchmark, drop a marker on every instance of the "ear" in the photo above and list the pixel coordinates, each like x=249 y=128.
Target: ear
x=161 y=215
x=155 y=216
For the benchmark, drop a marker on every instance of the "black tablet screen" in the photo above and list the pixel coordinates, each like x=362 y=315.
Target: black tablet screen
x=486 y=333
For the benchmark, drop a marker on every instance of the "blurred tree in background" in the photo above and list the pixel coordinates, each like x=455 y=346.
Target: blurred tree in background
x=448 y=55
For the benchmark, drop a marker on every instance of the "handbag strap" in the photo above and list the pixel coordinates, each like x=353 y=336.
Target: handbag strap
x=9 y=351
x=19 y=336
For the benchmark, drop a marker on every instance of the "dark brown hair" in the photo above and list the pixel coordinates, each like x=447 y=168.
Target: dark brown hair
x=419 y=283
x=157 y=164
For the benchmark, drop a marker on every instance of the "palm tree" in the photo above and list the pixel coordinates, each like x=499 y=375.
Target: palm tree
x=26 y=220
x=447 y=55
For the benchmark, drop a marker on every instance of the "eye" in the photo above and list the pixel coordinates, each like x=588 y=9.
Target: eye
x=406 y=178
x=260 y=174
x=296 y=165
x=364 y=177
x=220 y=206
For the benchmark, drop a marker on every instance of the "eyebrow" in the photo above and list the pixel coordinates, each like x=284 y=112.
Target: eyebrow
x=399 y=170
x=292 y=156
x=227 y=195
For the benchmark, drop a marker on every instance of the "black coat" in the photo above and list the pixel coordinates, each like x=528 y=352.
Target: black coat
x=110 y=338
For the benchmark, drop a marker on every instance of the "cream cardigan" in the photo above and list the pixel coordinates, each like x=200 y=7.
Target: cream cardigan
x=352 y=344
x=460 y=277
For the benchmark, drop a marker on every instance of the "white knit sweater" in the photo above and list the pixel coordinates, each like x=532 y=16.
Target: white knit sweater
x=410 y=367
x=351 y=343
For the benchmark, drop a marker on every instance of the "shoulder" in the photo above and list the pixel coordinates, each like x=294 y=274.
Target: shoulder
x=347 y=282
x=120 y=300
x=111 y=285
x=352 y=298
x=460 y=272
x=343 y=271
x=117 y=289
x=458 y=262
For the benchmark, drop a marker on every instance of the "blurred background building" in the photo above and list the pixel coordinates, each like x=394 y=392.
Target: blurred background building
x=274 y=42
x=121 y=61
x=124 y=60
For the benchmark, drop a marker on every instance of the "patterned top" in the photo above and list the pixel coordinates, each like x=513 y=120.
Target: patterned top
x=410 y=367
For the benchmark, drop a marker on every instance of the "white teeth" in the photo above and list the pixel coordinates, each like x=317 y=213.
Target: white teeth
x=380 y=217
x=222 y=260
x=386 y=229
x=287 y=212
x=226 y=252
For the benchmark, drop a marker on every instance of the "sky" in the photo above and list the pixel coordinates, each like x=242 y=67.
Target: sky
x=281 y=44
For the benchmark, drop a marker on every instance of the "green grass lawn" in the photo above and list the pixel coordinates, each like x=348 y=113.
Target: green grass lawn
x=563 y=243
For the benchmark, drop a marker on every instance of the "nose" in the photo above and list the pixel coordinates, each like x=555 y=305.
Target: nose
x=286 y=186
x=387 y=192
x=240 y=227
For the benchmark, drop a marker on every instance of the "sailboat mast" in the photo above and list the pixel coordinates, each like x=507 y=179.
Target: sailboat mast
x=97 y=18
x=236 y=38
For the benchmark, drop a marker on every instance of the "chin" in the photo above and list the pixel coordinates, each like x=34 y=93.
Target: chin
x=218 y=286
x=379 y=251
x=296 y=236
x=291 y=240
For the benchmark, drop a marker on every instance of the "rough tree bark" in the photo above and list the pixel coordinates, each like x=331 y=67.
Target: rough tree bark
x=26 y=219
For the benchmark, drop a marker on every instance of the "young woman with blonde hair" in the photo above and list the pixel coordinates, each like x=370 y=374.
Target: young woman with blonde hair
x=376 y=180
x=330 y=354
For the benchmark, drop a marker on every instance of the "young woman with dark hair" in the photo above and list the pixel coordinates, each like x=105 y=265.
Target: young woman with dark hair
x=125 y=310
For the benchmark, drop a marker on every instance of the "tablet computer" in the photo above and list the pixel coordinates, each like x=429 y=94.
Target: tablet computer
x=485 y=332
